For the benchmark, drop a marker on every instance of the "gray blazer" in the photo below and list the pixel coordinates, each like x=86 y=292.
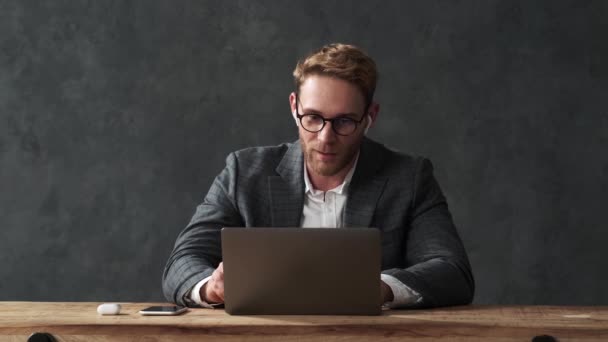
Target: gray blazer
x=264 y=187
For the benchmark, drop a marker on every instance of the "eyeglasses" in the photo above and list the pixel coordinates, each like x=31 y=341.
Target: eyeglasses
x=314 y=123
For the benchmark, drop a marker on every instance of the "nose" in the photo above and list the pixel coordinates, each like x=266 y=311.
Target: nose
x=327 y=134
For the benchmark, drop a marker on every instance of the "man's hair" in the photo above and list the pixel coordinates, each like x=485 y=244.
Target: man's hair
x=346 y=62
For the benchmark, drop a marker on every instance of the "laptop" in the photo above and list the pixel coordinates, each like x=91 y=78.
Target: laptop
x=301 y=271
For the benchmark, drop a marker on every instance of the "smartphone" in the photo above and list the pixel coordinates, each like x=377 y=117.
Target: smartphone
x=164 y=310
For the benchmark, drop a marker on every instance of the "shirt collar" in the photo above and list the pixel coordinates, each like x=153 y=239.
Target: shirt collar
x=340 y=189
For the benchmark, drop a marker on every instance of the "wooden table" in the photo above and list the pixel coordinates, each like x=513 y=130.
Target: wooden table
x=80 y=322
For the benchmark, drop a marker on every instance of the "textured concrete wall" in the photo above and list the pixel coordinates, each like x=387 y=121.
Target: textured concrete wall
x=116 y=115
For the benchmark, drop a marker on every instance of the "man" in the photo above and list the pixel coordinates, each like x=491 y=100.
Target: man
x=332 y=177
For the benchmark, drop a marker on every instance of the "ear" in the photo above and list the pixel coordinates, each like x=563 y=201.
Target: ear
x=369 y=124
x=372 y=115
x=292 y=106
x=373 y=111
x=292 y=101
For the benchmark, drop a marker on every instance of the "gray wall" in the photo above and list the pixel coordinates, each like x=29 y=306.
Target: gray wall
x=115 y=116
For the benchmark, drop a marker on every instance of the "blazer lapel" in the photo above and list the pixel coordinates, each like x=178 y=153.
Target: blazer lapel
x=366 y=186
x=286 y=190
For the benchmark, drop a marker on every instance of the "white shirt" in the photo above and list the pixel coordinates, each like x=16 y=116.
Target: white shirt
x=325 y=209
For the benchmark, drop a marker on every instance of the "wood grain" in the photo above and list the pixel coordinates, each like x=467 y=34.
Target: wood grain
x=80 y=322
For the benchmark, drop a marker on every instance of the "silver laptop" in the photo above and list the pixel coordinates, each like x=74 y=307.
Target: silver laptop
x=301 y=271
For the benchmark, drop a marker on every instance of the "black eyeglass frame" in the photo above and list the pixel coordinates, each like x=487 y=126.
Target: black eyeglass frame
x=333 y=127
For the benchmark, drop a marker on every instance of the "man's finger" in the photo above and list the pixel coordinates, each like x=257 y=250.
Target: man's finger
x=220 y=291
x=215 y=276
x=220 y=271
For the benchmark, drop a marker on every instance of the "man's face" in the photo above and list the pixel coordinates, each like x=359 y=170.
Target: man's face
x=327 y=153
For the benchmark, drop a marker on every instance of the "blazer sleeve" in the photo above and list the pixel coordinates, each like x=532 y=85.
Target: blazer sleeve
x=436 y=262
x=197 y=251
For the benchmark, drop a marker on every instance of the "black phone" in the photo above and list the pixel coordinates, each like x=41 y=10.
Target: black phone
x=164 y=310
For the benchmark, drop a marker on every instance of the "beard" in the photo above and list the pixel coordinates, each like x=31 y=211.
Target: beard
x=344 y=155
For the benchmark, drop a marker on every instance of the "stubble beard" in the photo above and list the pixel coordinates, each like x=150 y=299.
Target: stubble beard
x=328 y=169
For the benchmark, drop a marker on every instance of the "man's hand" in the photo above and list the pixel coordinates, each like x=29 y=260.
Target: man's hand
x=385 y=292
x=213 y=291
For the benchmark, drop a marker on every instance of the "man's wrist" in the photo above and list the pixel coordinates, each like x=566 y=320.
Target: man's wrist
x=387 y=292
x=403 y=295
x=195 y=293
x=203 y=296
x=202 y=293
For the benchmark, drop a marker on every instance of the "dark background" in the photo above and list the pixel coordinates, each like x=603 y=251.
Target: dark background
x=115 y=116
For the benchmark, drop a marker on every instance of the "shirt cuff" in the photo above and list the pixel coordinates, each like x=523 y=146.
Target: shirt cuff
x=403 y=295
x=195 y=295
